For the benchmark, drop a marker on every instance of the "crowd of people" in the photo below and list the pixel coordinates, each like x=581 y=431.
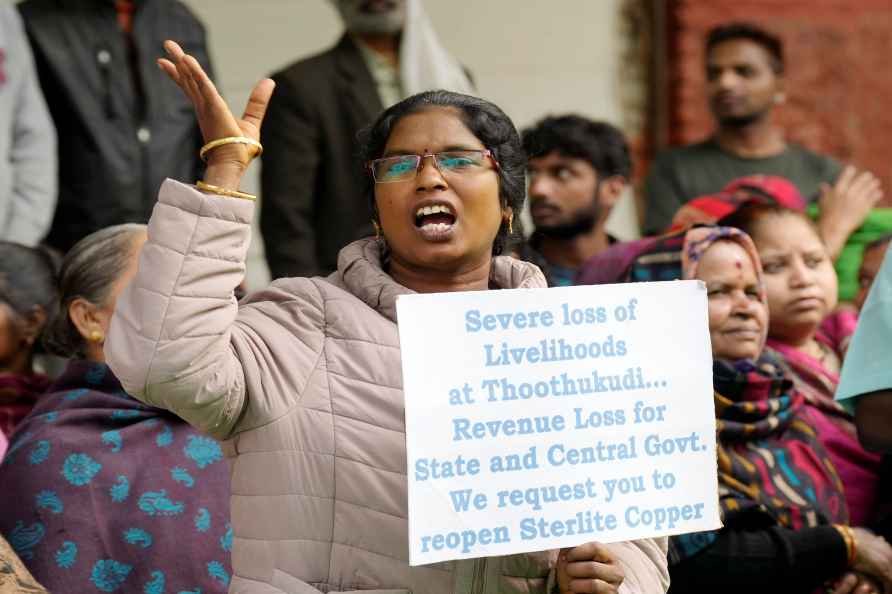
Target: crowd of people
x=160 y=433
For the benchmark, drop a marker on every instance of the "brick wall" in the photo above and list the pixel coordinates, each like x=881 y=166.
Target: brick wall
x=839 y=87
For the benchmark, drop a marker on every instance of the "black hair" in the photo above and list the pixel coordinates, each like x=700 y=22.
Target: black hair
x=484 y=119
x=28 y=280
x=88 y=271
x=604 y=146
x=750 y=32
x=747 y=217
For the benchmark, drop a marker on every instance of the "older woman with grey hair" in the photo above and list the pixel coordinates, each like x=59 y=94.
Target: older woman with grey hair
x=105 y=492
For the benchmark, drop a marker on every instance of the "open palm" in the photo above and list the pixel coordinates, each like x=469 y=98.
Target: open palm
x=214 y=116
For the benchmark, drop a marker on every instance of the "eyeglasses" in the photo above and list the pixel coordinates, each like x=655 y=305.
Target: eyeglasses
x=406 y=167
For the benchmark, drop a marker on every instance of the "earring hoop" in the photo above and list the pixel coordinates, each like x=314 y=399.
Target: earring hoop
x=377 y=228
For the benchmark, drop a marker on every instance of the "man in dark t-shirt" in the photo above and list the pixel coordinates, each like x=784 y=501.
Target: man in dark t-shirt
x=745 y=80
x=577 y=169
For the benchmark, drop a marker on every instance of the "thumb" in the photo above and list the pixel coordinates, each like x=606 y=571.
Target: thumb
x=258 y=102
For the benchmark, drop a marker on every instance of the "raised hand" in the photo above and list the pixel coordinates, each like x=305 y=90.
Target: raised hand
x=227 y=163
x=845 y=205
x=590 y=569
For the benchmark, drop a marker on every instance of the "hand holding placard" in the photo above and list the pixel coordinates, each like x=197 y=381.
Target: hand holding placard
x=579 y=566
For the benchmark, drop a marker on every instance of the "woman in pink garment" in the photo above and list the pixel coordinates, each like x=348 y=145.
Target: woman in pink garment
x=811 y=336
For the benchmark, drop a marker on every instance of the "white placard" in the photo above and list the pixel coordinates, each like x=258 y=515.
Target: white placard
x=547 y=418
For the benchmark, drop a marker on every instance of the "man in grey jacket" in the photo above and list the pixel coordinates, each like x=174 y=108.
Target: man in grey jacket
x=28 y=142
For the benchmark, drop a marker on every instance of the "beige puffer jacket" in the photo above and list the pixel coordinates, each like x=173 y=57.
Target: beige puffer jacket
x=302 y=381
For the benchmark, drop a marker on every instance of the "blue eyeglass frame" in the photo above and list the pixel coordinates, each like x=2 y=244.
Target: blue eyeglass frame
x=487 y=153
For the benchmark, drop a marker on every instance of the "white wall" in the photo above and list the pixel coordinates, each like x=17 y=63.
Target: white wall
x=529 y=57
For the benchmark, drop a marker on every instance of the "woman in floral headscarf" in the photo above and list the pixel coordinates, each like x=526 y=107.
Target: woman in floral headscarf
x=784 y=512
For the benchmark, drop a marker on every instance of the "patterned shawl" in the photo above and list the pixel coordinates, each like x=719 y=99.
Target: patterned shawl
x=860 y=470
x=104 y=492
x=817 y=383
x=773 y=469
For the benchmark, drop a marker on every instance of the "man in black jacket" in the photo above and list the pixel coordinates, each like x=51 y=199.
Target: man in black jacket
x=122 y=125
x=312 y=202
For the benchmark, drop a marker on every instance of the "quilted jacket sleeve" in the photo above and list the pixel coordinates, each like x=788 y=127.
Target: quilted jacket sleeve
x=645 y=565
x=178 y=339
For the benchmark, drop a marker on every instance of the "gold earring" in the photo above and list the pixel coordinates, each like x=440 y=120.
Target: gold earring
x=96 y=336
x=377 y=228
x=510 y=221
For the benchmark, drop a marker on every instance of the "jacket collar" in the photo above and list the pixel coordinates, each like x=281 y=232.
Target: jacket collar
x=356 y=80
x=359 y=268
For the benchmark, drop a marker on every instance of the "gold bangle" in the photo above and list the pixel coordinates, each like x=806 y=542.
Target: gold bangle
x=849 y=539
x=230 y=140
x=204 y=187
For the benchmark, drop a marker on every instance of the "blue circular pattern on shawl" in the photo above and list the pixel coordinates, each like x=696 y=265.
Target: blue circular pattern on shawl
x=112 y=438
x=79 y=469
x=120 y=490
x=40 y=452
x=109 y=575
x=24 y=538
x=218 y=572
x=49 y=500
x=182 y=476
x=138 y=536
x=157 y=503
x=226 y=539
x=66 y=556
x=204 y=451
x=156 y=585
x=203 y=520
x=165 y=438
